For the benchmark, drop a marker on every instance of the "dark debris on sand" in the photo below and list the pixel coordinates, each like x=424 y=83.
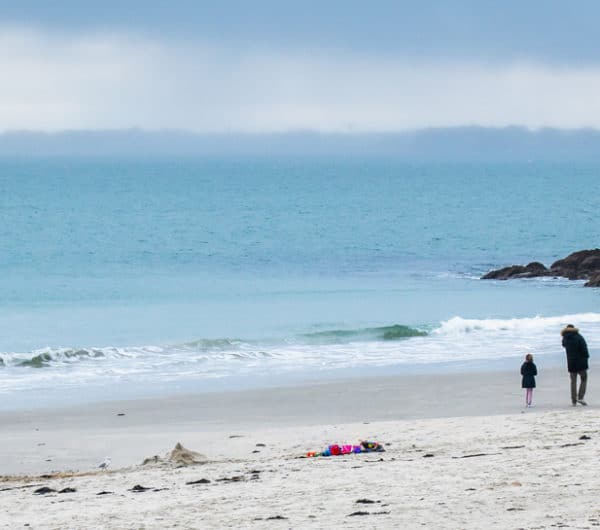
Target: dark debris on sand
x=361 y=512
x=44 y=491
x=139 y=489
x=199 y=481
x=237 y=478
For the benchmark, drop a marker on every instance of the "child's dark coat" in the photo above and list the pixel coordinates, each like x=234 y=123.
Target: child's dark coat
x=528 y=371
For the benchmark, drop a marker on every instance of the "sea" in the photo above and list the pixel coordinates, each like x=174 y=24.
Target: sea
x=130 y=278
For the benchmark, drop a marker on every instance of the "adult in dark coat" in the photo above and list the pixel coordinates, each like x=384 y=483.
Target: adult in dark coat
x=577 y=361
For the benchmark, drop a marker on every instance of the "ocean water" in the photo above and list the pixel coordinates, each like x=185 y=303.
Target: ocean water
x=131 y=278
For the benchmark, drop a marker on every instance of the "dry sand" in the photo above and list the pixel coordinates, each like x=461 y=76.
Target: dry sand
x=489 y=463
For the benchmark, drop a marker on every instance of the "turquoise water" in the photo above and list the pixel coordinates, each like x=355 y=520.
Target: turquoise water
x=179 y=274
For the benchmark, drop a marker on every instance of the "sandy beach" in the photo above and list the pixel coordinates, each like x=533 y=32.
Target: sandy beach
x=288 y=265
x=460 y=453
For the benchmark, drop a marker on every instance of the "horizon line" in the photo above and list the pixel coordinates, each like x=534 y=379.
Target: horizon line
x=303 y=131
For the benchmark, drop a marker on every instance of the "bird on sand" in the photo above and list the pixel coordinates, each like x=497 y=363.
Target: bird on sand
x=105 y=464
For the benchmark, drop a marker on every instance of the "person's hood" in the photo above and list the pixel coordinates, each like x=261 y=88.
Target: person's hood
x=569 y=330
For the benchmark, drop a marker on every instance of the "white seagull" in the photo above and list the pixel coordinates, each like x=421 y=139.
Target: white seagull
x=105 y=464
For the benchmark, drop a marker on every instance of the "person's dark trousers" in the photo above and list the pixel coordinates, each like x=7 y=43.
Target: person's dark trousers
x=581 y=394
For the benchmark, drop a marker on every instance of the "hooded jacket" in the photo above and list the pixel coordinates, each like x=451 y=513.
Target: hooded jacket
x=576 y=348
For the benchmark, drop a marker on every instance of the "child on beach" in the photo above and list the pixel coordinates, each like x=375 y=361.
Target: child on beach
x=528 y=371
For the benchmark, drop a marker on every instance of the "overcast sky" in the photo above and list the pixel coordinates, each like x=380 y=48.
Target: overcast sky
x=267 y=65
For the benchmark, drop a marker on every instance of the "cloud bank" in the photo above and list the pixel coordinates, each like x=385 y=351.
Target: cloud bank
x=55 y=81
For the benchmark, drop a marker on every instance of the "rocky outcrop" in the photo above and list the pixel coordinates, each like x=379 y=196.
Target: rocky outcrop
x=582 y=265
x=534 y=269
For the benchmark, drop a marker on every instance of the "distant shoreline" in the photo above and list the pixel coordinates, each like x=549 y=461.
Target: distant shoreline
x=465 y=144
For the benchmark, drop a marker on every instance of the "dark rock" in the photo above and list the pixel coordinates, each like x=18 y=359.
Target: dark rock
x=578 y=265
x=504 y=273
x=428 y=455
x=104 y=493
x=581 y=265
x=276 y=518
x=366 y=501
x=260 y=445
x=585 y=437
x=353 y=514
x=67 y=490
x=44 y=491
x=121 y=414
x=535 y=267
x=533 y=270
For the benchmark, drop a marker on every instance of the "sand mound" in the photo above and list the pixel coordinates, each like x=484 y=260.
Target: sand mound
x=185 y=457
x=178 y=457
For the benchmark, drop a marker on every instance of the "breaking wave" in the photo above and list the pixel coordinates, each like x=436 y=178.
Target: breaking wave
x=394 y=332
x=460 y=326
x=457 y=339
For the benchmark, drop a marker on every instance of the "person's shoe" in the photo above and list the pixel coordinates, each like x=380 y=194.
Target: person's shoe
x=574 y=404
x=581 y=402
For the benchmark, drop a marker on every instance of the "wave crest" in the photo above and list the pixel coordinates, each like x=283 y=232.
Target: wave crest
x=461 y=326
x=43 y=358
x=335 y=336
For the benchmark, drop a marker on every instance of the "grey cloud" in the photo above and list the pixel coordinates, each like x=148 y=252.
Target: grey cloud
x=99 y=81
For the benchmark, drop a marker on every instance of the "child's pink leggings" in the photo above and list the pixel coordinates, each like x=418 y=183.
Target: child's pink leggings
x=528 y=396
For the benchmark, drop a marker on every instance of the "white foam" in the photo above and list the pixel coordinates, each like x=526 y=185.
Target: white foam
x=455 y=340
x=458 y=326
